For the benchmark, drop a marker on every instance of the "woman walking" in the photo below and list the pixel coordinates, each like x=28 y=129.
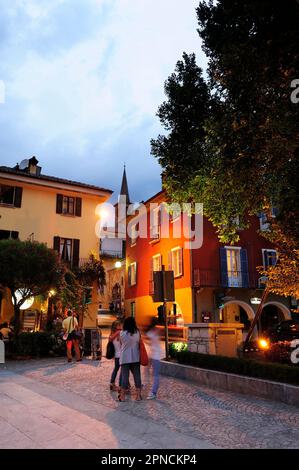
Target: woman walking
x=155 y=354
x=114 y=338
x=130 y=357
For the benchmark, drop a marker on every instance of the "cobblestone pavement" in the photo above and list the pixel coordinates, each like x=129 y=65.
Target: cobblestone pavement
x=223 y=419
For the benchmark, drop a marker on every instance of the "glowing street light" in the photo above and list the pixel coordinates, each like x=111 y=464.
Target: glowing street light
x=118 y=264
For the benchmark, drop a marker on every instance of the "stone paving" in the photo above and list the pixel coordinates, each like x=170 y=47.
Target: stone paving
x=184 y=415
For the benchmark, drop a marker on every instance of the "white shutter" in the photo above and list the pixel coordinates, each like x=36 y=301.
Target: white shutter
x=180 y=254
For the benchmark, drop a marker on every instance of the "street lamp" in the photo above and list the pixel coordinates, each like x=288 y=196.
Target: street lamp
x=117 y=264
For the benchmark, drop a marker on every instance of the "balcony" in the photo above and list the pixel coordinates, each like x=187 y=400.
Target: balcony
x=116 y=254
x=214 y=278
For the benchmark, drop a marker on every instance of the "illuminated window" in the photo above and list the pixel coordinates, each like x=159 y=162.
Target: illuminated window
x=176 y=261
x=156 y=264
x=234 y=274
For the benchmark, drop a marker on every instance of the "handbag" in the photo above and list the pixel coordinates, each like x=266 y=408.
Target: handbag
x=143 y=353
x=110 y=350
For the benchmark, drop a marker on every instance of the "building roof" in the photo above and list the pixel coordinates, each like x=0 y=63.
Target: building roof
x=54 y=179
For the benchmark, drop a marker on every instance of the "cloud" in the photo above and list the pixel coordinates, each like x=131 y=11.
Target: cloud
x=84 y=79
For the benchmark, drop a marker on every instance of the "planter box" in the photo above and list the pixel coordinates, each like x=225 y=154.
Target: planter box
x=277 y=391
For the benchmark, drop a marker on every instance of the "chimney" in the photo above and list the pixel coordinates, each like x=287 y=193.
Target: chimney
x=33 y=169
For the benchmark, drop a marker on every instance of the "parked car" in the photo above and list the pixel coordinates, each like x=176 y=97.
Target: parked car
x=105 y=318
x=286 y=330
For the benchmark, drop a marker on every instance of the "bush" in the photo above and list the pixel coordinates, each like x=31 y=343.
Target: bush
x=279 y=352
x=38 y=344
x=174 y=348
x=263 y=370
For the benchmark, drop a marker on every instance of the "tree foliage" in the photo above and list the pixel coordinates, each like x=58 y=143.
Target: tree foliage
x=233 y=140
x=29 y=267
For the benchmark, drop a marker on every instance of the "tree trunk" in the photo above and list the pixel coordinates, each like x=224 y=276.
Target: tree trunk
x=17 y=320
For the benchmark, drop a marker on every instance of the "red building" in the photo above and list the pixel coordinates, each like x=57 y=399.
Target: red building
x=212 y=283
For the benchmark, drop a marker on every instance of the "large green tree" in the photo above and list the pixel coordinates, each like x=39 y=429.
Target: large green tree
x=29 y=268
x=242 y=157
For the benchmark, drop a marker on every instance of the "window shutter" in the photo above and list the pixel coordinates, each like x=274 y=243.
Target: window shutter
x=15 y=235
x=78 y=210
x=59 y=202
x=18 y=196
x=76 y=249
x=223 y=267
x=136 y=273
x=181 y=264
x=244 y=268
x=56 y=244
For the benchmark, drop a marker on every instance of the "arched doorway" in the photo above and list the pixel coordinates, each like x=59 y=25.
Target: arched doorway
x=237 y=311
x=272 y=314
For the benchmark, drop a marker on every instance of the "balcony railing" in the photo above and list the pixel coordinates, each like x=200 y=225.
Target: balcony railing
x=214 y=278
x=111 y=254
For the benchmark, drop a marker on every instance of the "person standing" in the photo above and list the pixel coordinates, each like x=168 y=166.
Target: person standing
x=114 y=338
x=70 y=326
x=130 y=357
x=155 y=355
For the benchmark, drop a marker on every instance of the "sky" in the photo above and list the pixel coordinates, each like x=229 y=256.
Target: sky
x=81 y=82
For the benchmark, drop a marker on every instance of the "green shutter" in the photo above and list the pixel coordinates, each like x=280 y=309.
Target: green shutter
x=78 y=208
x=76 y=250
x=18 y=196
x=59 y=202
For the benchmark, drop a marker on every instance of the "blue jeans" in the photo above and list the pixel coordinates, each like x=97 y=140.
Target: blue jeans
x=156 y=371
x=115 y=370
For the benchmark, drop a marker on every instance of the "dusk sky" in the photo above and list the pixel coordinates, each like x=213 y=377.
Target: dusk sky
x=83 y=81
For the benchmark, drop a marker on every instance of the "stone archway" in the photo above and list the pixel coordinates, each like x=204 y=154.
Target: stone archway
x=283 y=308
x=248 y=309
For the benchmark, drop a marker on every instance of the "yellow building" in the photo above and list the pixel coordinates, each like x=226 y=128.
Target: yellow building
x=55 y=211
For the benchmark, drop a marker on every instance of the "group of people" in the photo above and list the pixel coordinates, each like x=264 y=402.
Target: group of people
x=126 y=339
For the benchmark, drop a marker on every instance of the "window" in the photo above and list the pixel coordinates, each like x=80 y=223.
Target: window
x=156 y=264
x=155 y=228
x=132 y=274
x=68 y=250
x=8 y=234
x=65 y=249
x=233 y=260
x=68 y=205
x=11 y=195
x=264 y=224
x=176 y=261
x=234 y=267
x=269 y=258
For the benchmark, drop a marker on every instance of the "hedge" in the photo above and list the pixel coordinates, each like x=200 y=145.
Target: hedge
x=251 y=368
x=39 y=344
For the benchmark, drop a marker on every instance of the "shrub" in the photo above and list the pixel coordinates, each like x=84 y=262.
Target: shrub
x=38 y=344
x=263 y=370
x=174 y=348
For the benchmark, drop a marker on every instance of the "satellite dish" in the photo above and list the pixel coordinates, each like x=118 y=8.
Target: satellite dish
x=24 y=164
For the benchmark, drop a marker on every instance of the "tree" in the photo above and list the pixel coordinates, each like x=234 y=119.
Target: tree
x=244 y=156
x=31 y=269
